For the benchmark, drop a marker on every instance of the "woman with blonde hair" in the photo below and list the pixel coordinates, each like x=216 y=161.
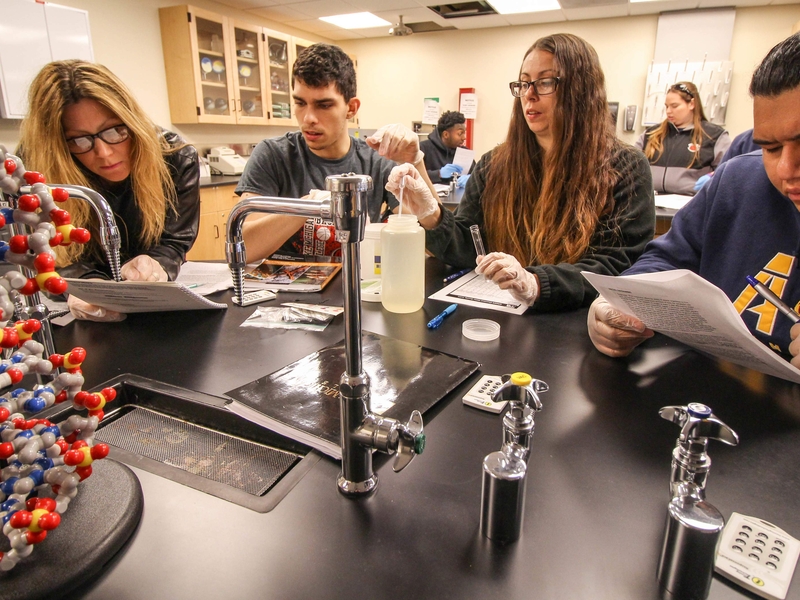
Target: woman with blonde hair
x=685 y=146
x=561 y=195
x=84 y=127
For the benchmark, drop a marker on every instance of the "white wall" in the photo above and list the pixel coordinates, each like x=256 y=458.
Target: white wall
x=395 y=74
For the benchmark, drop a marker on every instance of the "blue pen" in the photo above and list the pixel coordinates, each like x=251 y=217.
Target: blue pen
x=770 y=297
x=436 y=321
x=455 y=276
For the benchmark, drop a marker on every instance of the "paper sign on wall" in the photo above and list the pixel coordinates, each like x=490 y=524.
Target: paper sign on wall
x=430 y=111
x=469 y=105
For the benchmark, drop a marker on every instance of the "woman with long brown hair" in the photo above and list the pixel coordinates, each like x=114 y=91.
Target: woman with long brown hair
x=561 y=195
x=84 y=127
x=685 y=146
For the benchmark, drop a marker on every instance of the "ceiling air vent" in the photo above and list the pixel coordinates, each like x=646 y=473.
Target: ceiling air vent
x=463 y=9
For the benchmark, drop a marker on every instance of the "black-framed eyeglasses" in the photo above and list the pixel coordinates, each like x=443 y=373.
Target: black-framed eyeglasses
x=84 y=143
x=543 y=87
x=683 y=88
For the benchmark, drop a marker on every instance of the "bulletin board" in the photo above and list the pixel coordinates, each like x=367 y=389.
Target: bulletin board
x=712 y=78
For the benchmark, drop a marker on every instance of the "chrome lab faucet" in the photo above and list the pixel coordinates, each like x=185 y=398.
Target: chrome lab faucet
x=109 y=233
x=107 y=227
x=361 y=430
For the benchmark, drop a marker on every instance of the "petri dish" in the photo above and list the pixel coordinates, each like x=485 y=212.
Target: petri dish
x=481 y=330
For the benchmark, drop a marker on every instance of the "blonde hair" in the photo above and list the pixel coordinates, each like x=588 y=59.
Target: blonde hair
x=544 y=208
x=655 y=139
x=63 y=83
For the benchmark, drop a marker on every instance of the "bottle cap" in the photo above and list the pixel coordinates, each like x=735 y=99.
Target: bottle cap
x=481 y=330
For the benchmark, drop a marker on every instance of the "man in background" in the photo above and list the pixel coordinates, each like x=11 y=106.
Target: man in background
x=440 y=148
x=296 y=164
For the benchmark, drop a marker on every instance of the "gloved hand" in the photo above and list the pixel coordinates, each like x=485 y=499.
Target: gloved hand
x=462 y=181
x=794 y=347
x=447 y=171
x=417 y=196
x=506 y=271
x=91 y=312
x=702 y=181
x=396 y=142
x=143 y=268
x=612 y=332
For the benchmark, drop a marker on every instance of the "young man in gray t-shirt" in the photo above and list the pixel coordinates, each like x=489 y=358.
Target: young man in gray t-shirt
x=324 y=94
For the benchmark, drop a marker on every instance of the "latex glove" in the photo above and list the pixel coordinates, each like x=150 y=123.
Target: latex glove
x=447 y=171
x=613 y=332
x=794 y=347
x=143 y=268
x=91 y=312
x=396 y=142
x=318 y=195
x=506 y=271
x=462 y=181
x=417 y=197
x=702 y=181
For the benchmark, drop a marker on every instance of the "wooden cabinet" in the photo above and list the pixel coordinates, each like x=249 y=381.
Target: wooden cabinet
x=48 y=32
x=224 y=71
x=251 y=74
x=280 y=61
x=198 y=65
x=215 y=205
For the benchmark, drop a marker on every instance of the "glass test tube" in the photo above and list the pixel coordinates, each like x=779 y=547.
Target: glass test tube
x=476 y=238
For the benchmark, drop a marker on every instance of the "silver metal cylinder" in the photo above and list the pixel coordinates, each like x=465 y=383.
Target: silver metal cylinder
x=686 y=566
x=503 y=496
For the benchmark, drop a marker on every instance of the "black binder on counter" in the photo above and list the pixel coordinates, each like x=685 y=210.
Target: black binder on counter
x=301 y=400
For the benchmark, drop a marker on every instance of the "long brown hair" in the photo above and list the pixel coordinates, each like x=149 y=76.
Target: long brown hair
x=63 y=83
x=655 y=139
x=543 y=207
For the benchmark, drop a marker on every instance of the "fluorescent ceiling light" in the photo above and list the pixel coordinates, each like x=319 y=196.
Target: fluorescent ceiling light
x=360 y=20
x=642 y=0
x=509 y=7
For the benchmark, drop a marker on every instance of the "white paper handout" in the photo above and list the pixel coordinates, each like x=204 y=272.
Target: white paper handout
x=464 y=158
x=673 y=201
x=205 y=277
x=686 y=307
x=475 y=290
x=139 y=296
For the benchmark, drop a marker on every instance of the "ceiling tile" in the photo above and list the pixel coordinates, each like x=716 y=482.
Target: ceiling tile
x=598 y=12
x=545 y=16
x=313 y=25
x=479 y=22
x=324 y=8
x=281 y=14
x=412 y=15
x=650 y=8
x=375 y=6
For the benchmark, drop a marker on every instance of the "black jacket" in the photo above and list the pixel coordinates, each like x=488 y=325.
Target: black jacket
x=437 y=155
x=671 y=173
x=616 y=244
x=180 y=227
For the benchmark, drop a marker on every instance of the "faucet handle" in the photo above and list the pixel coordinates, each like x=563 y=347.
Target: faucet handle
x=521 y=388
x=698 y=422
x=410 y=441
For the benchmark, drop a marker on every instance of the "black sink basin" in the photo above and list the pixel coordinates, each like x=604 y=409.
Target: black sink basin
x=189 y=437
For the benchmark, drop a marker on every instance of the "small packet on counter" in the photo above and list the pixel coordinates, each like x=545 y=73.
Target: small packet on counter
x=293 y=315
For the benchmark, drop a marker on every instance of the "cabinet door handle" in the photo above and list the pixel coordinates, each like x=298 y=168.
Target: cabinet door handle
x=216 y=232
x=240 y=104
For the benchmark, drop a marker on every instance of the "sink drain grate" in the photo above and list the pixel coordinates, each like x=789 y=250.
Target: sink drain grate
x=241 y=464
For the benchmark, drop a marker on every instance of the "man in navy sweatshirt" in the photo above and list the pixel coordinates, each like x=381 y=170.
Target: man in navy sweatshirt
x=745 y=221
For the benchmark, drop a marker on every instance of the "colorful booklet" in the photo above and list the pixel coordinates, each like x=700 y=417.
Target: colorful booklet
x=301 y=400
x=291 y=276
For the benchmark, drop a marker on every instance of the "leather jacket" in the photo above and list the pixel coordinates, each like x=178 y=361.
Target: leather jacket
x=180 y=227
